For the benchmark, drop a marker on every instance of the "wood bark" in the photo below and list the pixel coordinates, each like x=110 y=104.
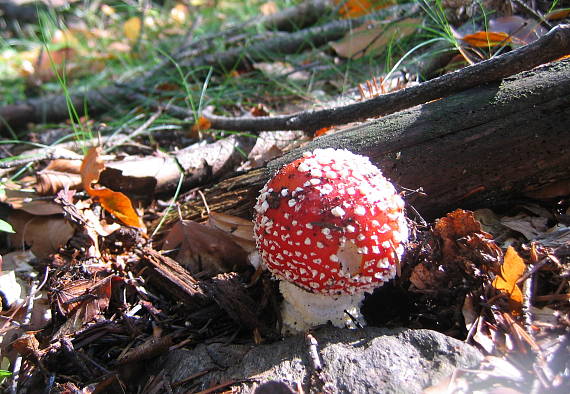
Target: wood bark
x=481 y=147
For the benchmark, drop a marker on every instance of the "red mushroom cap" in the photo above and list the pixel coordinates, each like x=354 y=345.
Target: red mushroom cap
x=330 y=223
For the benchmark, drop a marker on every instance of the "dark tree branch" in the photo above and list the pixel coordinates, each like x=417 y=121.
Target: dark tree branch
x=482 y=147
x=550 y=47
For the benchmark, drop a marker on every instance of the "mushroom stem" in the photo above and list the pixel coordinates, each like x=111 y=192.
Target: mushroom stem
x=302 y=310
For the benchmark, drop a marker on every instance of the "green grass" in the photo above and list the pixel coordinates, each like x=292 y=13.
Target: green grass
x=194 y=89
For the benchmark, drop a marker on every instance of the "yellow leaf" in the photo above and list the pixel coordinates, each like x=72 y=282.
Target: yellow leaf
x=65 y=37
x=132 y=28
x=179 y=13
x=486 y=39
x=107 y=10
x=512 y=270
x=114 y=202
x=268 y=8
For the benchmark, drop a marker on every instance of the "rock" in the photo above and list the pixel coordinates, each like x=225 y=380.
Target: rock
x=354 y=361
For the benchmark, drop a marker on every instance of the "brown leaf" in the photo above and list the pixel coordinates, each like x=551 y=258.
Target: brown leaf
x=50 y=182
x=373 y=37
x=64 y=165
x=521 y=30
x=555 y=15
x=454 y=225
x=423 y=278
x=87 y=300
x=53 y=63
x=26 y=344
x=205 y=250
x=512 y=270
x=464 y=242
x=31 y=202
x=91 y=167
x=239 y=229
x=45 y=234
x=114 y=202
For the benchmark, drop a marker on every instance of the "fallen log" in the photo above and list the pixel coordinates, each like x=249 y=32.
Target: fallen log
x=481 y=147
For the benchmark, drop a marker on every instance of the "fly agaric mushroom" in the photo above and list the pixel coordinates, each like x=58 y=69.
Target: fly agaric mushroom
x=331 y=228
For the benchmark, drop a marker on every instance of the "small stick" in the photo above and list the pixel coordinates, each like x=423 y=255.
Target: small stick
x=313 y=352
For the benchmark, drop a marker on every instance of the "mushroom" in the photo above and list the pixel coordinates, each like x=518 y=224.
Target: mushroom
x=331 y=228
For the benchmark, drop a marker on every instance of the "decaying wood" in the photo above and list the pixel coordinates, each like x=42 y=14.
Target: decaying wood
x=141 y=177
x=171 y=278
x=476 y=148
x=550 y=47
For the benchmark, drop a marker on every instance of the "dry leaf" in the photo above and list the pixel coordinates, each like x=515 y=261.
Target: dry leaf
x=356 y=8
x=64 y=165
x=259 y=110
x=268 y=8
x=44 y=234
x=521 y=30
x=50 y=64
x=50 y=182
x=31 y=202
x=114 y=202
x=529 y=226
x=555 y=15
x=240 y=230
x=27 y=344
x=201 y=124
x=322 y=131
x=132 y=28
x=204 y=250
x=465 y=243
x=486 y=39
x=454 y=225
x=373 y=37
x=511 y=271
x=179 y=13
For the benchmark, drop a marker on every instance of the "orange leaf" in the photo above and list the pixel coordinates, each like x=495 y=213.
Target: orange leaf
x=114 y=202
x=322 y=131
x=119 y=205
x=356 y=8
x=511 y=271
x=201 y=124
x=486 y=39
x=91 y=167
x=558 y=14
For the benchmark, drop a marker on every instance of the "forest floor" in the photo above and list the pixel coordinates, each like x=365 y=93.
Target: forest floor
x=137 y=135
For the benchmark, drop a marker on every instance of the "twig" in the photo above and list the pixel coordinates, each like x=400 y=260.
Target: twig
x=49 y=153
x=139 y=129
x=313 y=352
x=16 y=367
x=548 y=48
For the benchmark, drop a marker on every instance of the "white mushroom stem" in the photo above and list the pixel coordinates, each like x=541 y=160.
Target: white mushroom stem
x=302 y=310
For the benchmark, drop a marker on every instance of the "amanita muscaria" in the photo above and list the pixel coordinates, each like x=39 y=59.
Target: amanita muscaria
x=331 y=228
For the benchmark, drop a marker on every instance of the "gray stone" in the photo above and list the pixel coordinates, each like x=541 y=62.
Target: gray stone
x=354 y=361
